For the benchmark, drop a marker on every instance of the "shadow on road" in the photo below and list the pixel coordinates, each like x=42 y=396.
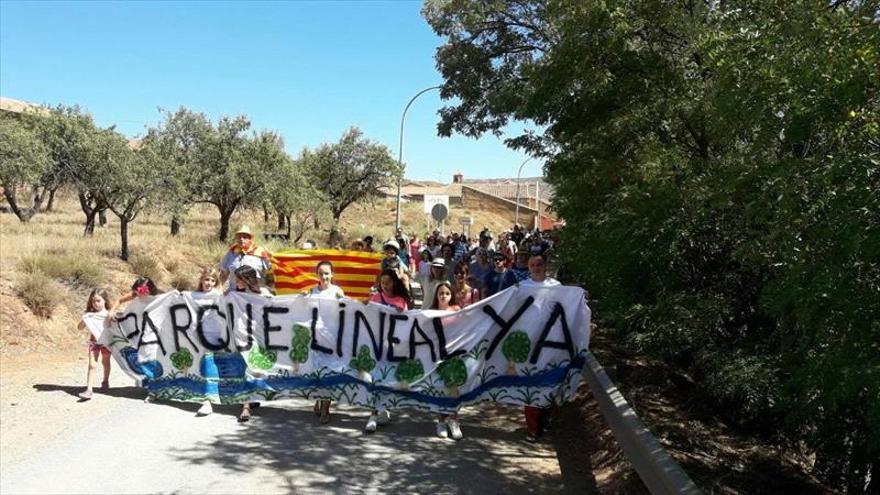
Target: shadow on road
x=74 y=390
x=401 y=457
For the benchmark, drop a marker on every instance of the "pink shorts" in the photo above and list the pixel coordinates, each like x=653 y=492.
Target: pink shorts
x=95 y=347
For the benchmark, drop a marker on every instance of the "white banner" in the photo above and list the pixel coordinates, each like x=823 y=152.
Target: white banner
x=521 y=346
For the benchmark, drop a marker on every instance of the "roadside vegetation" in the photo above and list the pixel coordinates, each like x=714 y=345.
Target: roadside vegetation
x=718 y=167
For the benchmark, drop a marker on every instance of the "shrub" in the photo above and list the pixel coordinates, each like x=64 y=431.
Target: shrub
x=72 y=269
x=39 y=292
x=146 y=266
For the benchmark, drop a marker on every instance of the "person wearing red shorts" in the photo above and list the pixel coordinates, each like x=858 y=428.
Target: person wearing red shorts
x=98 y=304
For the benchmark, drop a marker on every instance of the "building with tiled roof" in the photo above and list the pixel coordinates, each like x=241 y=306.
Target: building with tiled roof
x=499 y=195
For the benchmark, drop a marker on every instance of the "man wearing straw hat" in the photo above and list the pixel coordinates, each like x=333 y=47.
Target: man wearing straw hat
x=245 y=252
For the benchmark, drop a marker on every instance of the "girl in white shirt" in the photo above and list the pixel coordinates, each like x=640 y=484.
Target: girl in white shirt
x=325 y=290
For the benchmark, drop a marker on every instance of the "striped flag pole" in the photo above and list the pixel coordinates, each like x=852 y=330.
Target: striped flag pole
x=354 y=271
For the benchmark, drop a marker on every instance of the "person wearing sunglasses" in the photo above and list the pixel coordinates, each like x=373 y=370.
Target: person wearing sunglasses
x=493 y=277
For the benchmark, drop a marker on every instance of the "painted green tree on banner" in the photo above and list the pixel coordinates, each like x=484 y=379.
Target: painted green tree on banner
x=516 y=349
x=299 y=353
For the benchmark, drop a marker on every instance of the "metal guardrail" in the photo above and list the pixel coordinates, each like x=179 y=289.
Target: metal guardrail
x=658 y=471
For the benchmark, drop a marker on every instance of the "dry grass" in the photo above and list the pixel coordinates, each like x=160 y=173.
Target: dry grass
x=68 y=268
x=39 y=292
x=146 y=265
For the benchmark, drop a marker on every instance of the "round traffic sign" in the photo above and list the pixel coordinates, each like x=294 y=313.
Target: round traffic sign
x=439 y=212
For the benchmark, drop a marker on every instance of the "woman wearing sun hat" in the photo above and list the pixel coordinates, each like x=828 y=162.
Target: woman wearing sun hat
x=245 y=252
x=437 y=275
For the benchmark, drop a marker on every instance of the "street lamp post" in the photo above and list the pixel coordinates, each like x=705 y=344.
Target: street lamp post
x=400 y=152
x=518 y=173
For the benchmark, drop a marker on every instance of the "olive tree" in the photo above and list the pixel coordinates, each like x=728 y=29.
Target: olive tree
x=347 y=171
x=24 y=161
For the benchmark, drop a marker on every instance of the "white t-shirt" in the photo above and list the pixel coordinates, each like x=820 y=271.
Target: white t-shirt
x=547 y=282
x=331 y=292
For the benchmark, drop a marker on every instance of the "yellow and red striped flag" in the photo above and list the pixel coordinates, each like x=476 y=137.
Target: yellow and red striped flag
x=354 y=271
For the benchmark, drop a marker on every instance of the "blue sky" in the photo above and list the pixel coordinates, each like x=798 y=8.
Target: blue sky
x=306 y=69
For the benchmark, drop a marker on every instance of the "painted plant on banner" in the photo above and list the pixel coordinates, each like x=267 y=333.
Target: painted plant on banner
x=522 y=346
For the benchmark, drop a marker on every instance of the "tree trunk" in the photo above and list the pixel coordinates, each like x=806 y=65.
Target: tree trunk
x=90 y=207
x=89 y=229
x=51 y=204
x=265 y=215
x=334 y=239
x=102 y=217
x=24 y=215
x=175 y=224
x=123 y=232
x=281 y=221
x=224 y=223
x=287 y=221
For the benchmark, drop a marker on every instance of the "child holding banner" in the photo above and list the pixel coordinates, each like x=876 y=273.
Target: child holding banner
x=445 y=300
x=142 y=287
x=391 y=293
x=207 y=284
x=325 y=290
x=246 y=281
x=98 y=304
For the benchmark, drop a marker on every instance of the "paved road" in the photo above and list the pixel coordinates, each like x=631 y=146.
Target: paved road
x=117 y=444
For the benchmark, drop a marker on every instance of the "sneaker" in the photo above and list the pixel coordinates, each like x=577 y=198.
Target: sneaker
x=85 y=395
x=105 y=386
x=371 y=424
x=205 y=410
x=384 y=417
x=454 y=429
x=442 y=432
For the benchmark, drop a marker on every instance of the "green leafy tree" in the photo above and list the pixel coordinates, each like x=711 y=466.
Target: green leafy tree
x=236 y=167
x=71 y=134
x=516 y=347
x=348 y=171
x=294 y=199
x=409 y=371
x=24 y=160
x=302 y=338
x=182 y=359
x=453 y=373
x=261 y=358
x=719 y=158
x=183 y=139
x=125 y=179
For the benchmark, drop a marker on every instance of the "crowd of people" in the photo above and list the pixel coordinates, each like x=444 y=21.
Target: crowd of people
x=452 y=272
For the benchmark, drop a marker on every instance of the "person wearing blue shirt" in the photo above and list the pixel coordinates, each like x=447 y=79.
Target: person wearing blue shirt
x=518 y=272
x=493 y=277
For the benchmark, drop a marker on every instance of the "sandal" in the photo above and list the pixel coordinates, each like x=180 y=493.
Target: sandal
x=86 y=395
x=325 y=411
x=245 y=414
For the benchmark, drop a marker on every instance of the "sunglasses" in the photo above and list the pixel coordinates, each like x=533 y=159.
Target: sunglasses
x=460 y=273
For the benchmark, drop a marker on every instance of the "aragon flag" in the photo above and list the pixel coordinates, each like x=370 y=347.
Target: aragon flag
x=354 y=271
